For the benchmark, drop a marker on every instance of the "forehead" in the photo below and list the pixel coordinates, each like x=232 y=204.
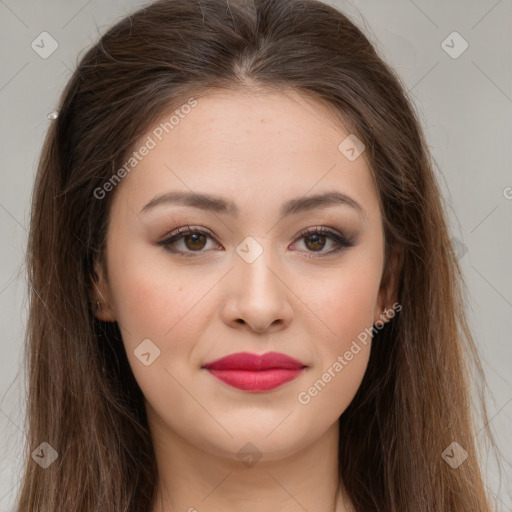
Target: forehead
x=286 y=121
x=235 y=143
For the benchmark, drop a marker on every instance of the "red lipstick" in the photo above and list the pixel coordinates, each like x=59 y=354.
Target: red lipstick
x=253 y=372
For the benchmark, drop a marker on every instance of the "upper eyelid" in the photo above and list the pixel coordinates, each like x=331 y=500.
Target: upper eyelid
x=184 y=230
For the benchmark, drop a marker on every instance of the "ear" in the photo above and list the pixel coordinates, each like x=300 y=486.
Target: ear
x=388 y=291
x=100 y=295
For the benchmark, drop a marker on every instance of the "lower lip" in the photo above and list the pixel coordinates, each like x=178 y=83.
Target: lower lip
x=260 y=380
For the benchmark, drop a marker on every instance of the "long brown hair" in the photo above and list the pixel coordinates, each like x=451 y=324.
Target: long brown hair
x=415 y=398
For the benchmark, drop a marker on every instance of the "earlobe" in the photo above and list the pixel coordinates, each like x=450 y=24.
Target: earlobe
x=101 y=297
x=388 y=293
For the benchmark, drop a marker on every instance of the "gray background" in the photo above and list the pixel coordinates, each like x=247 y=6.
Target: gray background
x=465 y=105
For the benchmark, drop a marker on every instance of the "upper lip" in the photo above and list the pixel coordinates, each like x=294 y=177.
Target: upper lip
x=255 y=362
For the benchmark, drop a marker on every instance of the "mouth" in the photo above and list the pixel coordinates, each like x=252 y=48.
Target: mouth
x=253 y=372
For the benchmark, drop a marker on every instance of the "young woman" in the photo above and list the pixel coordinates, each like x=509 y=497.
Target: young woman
x=243 y=292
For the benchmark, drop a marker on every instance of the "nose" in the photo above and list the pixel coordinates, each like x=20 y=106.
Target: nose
x=258 y=296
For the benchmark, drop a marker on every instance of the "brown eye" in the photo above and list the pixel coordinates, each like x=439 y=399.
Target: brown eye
x=316 y=239
x=315 y=242
x=187 y=241
x=195 y=241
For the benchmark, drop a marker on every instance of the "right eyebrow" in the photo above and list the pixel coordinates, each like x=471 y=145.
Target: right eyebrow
x=221 y=205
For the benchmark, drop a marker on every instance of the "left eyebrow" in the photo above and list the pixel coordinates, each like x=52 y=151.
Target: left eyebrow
x=220 y=205
x=307 y=203
x=202 y=201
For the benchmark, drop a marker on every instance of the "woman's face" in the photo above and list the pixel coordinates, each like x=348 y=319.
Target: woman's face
x=251 y=172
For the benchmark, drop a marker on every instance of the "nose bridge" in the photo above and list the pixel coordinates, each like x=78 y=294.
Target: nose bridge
x=256 y=265
x=259 y=296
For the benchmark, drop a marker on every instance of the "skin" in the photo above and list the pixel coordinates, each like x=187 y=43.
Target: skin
x=257 y=149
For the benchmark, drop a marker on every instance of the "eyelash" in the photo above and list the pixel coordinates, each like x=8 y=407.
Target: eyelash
x=343 y=242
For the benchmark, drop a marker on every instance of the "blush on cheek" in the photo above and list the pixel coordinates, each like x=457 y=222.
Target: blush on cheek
x=350 y=312
x=140 y=290
x=172 y=321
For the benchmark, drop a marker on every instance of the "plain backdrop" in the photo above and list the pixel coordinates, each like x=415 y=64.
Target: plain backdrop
x=464 y=101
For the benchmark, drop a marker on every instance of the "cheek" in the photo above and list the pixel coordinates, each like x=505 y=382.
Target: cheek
x=351 y=306
x=330 y=390
x=349 y=315
x=342 y=356
x=154 y=301
x=346 y=303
